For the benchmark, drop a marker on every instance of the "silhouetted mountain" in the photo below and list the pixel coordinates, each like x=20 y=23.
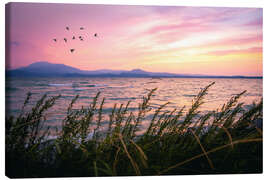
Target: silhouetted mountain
x=43 y=69
x=105 y=71
x=46 y=69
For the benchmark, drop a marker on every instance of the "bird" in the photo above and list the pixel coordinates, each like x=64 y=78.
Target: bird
x=81 y=28
x=67 y=28
x=65 y=39
x=81 y=38
x=55 y=40
x=71 y=50
x=73 y=37
x=95 y=34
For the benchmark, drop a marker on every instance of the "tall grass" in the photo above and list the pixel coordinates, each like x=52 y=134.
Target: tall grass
x=226 y=140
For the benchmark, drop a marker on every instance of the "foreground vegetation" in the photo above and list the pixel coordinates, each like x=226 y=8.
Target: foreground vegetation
x=226 y=140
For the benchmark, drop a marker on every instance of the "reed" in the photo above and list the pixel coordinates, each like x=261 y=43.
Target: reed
x=226 y=140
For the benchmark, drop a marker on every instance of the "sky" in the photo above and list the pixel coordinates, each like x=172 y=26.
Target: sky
x=175 y=39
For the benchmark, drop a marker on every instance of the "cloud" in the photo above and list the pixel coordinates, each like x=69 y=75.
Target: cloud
x=14 y=43
x=235 y=51
x=256 y=22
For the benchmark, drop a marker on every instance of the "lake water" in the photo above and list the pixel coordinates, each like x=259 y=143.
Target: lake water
x=178 y=91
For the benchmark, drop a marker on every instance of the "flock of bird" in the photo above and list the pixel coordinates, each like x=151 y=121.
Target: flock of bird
x=73 y=37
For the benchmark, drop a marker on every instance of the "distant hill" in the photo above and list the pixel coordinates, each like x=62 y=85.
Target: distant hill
x=46 y=69
x=49 y=68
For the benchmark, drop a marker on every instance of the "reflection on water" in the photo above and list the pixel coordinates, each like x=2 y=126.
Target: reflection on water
x=178 y=91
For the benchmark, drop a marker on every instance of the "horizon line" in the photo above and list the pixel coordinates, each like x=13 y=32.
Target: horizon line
x=177 y=74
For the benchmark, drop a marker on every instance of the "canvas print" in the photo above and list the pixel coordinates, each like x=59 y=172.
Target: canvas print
x=125 y=90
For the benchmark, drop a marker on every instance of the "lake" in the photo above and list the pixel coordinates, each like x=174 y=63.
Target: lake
x=178 y=91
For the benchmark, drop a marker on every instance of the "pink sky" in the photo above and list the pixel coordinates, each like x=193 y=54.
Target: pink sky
x=213 y=41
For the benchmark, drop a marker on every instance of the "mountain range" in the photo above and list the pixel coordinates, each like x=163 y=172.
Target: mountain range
x=46 y=69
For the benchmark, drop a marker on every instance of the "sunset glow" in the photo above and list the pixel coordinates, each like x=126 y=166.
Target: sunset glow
x=193 y=40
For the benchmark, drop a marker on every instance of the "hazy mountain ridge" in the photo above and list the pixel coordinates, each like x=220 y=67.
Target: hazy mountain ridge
x=46 y=69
